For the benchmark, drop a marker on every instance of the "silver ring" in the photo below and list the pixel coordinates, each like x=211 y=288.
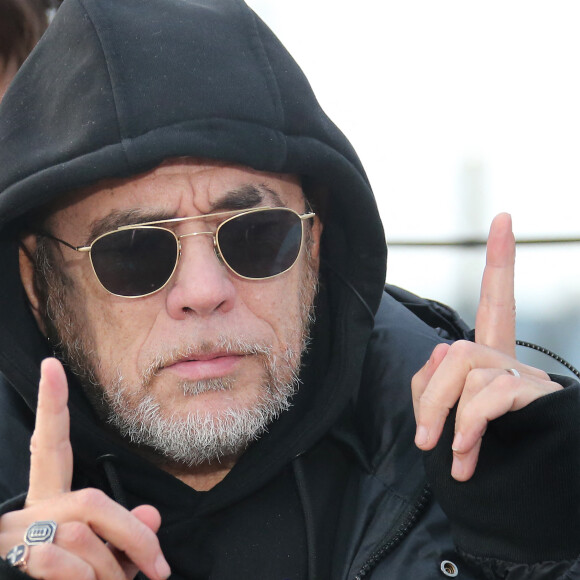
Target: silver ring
x=18 y=556
x=40 y=533
x=513 y=372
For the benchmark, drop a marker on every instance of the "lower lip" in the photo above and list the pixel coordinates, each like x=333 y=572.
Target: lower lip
x=197 y=370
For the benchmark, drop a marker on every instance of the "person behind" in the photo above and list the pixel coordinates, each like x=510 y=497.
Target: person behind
x=195 y=333
x=22 y=23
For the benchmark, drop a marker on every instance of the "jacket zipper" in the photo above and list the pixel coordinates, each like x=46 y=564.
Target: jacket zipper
x=395 y=539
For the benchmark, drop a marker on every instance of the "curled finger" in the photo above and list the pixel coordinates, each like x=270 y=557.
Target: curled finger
x=447 y=384
x=152 y=519
x=463 y=466
x=51 y=562
x=77 y=538
x=423 y=376
x=504 y=393
x=476 y=381
x=122 y=529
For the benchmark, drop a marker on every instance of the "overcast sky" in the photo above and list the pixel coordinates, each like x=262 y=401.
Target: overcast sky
x=459 y=109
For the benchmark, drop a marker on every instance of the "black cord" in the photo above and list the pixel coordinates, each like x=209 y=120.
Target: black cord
x=548 y=352
x=107 y=462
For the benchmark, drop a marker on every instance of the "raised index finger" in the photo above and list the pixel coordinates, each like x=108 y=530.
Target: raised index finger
x=51 y=460
x=495 y=323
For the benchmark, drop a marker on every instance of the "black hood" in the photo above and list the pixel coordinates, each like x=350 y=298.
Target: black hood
x=114 y=88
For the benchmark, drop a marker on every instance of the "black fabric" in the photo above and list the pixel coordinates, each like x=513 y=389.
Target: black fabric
x=539 y=444
x=492 y=568
x=382 y=477
x=242 y=100
x=114 y=88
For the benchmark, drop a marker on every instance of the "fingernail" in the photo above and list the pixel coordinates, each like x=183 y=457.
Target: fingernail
x=457 y=441
x=162 y=567
x=422 y=436
x=457 y=468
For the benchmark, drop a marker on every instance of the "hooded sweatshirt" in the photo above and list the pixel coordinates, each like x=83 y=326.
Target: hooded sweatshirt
x=114 y=88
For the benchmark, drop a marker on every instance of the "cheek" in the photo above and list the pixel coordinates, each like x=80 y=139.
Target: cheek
x=120 y=330
x=276 y=303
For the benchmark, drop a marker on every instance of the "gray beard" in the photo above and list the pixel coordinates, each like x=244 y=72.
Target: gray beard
x=201 y=437
x=187 y=440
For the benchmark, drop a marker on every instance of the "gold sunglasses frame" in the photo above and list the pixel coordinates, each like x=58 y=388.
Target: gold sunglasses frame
x=230 y=215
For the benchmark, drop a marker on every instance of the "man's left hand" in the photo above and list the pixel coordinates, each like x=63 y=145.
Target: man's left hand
x=478 y=376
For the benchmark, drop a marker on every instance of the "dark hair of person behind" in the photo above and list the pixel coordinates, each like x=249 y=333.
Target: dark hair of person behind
x=22 y=23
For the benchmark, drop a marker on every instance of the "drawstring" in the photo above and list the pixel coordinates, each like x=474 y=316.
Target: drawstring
x=108 y=463
x=542 y=349
x=353 y=290
x=300 y=479
x=548 y=352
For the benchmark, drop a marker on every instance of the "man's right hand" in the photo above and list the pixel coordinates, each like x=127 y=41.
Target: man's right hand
x=96 y=538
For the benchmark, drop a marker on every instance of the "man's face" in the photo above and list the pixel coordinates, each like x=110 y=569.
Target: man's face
x=197 y=370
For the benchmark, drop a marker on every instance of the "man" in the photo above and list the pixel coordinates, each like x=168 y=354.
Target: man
x=191 y=237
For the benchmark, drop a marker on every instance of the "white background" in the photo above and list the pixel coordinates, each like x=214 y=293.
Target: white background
x=459 y=109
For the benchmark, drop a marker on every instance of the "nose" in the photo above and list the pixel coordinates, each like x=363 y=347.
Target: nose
x=201 y=284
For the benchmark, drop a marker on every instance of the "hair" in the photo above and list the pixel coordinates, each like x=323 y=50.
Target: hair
x=22 y=23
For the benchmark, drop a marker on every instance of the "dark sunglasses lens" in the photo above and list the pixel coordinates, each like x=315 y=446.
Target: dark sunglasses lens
x=261 y=244
x=134 y=262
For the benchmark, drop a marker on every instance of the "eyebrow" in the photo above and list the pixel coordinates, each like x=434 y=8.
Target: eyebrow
x=246 y=196
x=127 y=217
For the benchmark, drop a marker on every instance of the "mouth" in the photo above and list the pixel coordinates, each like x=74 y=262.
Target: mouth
x=206 y=366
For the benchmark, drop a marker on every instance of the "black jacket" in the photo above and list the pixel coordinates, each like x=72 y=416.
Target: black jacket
x=336 y=488
x=388 y=522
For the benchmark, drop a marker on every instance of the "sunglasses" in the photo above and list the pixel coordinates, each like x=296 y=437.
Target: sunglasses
x=138 y=260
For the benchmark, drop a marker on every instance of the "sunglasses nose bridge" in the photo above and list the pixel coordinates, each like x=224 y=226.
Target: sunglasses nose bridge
x=194 y=234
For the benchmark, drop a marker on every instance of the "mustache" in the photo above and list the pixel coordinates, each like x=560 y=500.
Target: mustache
x=222 y=345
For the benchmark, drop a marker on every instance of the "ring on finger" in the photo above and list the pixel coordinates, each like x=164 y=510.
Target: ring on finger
x=514 y=372
x=18 y=556
x=40 y=533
